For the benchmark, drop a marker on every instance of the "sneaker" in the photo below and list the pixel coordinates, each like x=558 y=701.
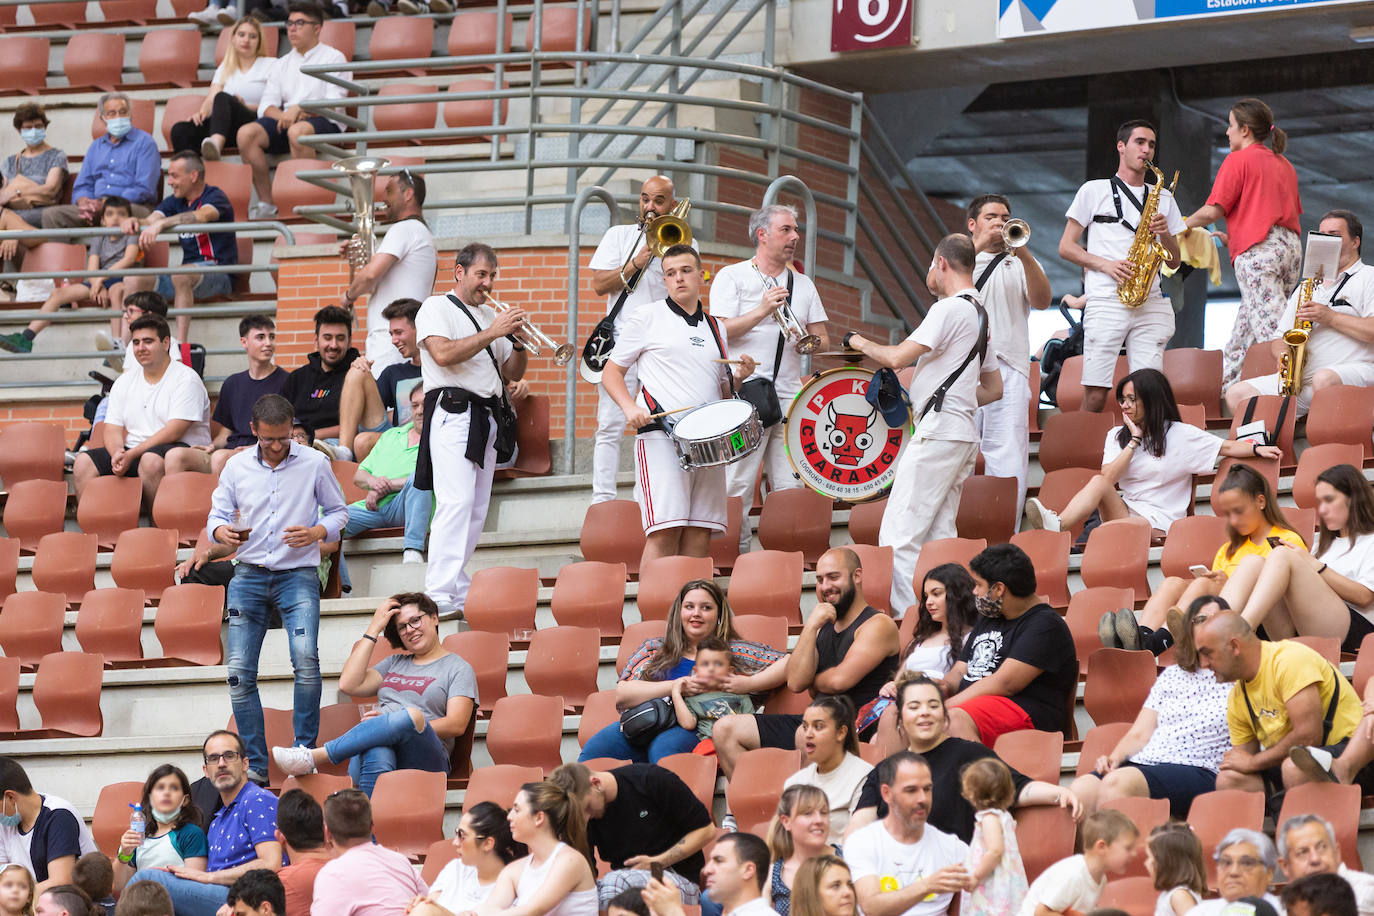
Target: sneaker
x=208 y=150
x=262 y=211
x=321 y=446
x=1127 y=629
x=451 y=612
x=413 y=556
x=256 y=777
x=294 y=761
x=1040 y=516
x=1173 y=621
x=225 y=16
x=106 y=343
x=440 y=6
x=728 y=823
x=206 y=17
x=379 y=8
x=412 y=7
x=1106 y=630
x=1315 y=762
x=16 y=343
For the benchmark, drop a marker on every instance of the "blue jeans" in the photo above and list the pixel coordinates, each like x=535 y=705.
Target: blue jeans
x=609 y=742
x=296 y=595
x=189 y=898
x=384 y=743
x=409 y=507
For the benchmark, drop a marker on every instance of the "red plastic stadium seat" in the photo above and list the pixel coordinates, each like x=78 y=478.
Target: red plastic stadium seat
x=877 y=566
x=562 y=661
x=31 y=451
x=1215 y=814
x=112 y=813
x=1269 y=467
x=1053 y=829
x=408 y=810
x=1118 y=683
x=1328 y=647
x=67 y=15
x=865 y=520
x=1195 y=376
x=502 y=599
x=590 y=594
x=170 y=56
x=498 y=783
x=94 y=60
x=475 y=32
x=559 y=30
x=9 y=566
x=1118 y=553
x=401 y=38
x=65 y=564
x=1086 y=607
x=1069 y=393
x=796 y=519
x=139 y=12
x=187 y=624
x=600 y=710
x=534 y=458
x=1259 y=360
x=1146 y=814
x=988 y=509
x=66 y=691
x=769 y=631
x=439 y=854
x=1134 y=896
x=527 y=729
x=1344 y=413
x=341 y=34
x=408 y=116
x=24 y=61
x=662 y=579
x=757 y=782
x=145 y=558
x=182 y=504
x=1364 y=665
x=55 y=257
x=1193 y=541
x=1049 y=553
x=1316 y=459
x=235 y=179
x=698 y=771
x=1075 y=440
x=476 y=112
x=290 y=192
x=1034 y=753
x=111 y=622
x=611 y=533
x=944 y=550
x=35 y=508
x=488 y=654
x=767 y=582
x=180 y=108
x=725 y=547
x=31 y=625
x=318 y=786
x=1099 y=742
x=109 y=506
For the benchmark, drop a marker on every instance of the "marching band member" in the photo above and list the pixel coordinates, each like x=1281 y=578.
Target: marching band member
x=673 y=346
x=467 y=354
x=1109 y=209
x=609 y=280
x=1340 y=350
x=768 y=280
x=1256 y=191
x=1012 y=283
x=956 y=374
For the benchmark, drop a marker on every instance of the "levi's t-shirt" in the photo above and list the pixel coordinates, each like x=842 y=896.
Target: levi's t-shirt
x=428 y=687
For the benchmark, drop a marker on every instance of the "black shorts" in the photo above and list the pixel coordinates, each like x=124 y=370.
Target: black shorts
x=101 y=458
x=278 y=142
x=1360 y=627
x=777 y=729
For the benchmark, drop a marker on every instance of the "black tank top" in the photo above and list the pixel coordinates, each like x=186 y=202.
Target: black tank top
x=831 y=648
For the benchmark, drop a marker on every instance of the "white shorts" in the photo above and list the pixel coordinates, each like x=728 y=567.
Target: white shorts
x=670 y=497
x=1107 y=324
x=1361 y=374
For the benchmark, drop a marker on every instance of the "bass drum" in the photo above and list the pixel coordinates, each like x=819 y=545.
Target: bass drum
x=838 y=443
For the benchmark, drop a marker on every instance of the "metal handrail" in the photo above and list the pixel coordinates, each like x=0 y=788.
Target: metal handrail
x=574 y=229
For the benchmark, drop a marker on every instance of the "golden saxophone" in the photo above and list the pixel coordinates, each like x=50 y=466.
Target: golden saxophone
x=1146 y=254
x=1294 y=359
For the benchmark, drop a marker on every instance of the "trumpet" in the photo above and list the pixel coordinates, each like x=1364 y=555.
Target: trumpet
x=1015 y=233
x=661 y=233
x=802 y=342
x=534 y=339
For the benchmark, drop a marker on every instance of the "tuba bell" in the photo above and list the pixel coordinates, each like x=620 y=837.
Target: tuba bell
x=663 y=232
x=362 y=178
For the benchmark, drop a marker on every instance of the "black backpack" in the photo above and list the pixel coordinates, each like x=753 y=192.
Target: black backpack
x=1054 y=354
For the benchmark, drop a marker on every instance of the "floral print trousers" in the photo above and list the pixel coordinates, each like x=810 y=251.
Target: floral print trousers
x=1266 y=274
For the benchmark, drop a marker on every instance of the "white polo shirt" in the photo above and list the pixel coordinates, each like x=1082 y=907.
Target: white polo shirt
x=674 y=354
x=616 y=247
x=439 y=317
x=1113 y=240
x=143 y=408
x=1007 y=299
x=1328 y=346
x=737 y=289
x=950 y=329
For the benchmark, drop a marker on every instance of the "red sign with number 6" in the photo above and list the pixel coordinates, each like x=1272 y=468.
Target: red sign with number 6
x=860 y=25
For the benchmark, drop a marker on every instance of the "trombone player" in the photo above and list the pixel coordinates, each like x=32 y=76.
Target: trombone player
x=752 y=297
x=625 y=271
x=1012 y=283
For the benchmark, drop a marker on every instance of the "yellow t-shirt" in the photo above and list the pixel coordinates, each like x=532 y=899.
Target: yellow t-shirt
x=1286 y=668
x=1248 y=548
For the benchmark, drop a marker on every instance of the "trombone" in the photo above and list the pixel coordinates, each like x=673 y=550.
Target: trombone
x=661 y=233
x=1015 y=234
x=534 y=339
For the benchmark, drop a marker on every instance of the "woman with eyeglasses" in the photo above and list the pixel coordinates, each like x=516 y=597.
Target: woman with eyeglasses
x=426 y=693
x=485 y=847
x=1245 y=868
x=1148 y=461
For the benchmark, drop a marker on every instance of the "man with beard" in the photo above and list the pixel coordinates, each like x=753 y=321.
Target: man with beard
x=314 y=389
x=902 y=866
x=847 y=647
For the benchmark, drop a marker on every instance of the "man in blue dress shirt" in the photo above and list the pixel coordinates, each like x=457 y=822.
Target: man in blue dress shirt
x=124 y=161
x=274 y=505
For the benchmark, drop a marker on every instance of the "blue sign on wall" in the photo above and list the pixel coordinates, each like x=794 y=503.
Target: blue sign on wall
x=1019 y=18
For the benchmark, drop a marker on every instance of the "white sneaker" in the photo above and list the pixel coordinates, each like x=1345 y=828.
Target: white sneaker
x=103 y=341
x=728 y=823
x=1041 y=516
x=262 y=211
x=413 y=7
x=225 y=16
x=208 y=150
x=413 y=556
x=440 y=6
x=294 y=761
x=206 y=17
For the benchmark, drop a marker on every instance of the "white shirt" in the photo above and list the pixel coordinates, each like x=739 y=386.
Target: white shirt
x=758 y=906
x=15 y=846
x=950 y=329
x=439 y=317
x=288 y=86
x=673 y=354
x=841 y=786
x=1113 y=240
x=1327 y=346
x=933 y=660
x=1159 y=489
x=737 y=289
x=457 y=889
x=412 y=277
x=1215 y=906
x=1164 y=906
x=1190 y=720
x=1007 y=299
x=1067 y=884
x=616 y=247
x=873 y=852
x=143 y=408
x=1362 y=883
x=1354 y=561
x=247 y=84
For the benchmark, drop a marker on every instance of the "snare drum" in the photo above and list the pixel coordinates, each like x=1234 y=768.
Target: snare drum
x=838 y=443
x=718 y=433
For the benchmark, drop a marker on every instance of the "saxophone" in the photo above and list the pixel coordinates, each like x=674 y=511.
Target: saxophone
x=1146 y=253
x=1294 y=359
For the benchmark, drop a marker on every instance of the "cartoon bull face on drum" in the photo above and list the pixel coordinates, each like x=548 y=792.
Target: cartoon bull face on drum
x=849 y=437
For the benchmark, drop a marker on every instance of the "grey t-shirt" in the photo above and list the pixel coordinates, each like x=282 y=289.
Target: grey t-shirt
x=110 y=248
x=34 y=168
x=425 y=687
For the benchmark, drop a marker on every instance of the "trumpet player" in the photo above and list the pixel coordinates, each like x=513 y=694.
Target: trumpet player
x=1012 y=283
x=748 y=296
x=1340 y=350
x=468 y=352
x=621 y=261
x=1109 y=210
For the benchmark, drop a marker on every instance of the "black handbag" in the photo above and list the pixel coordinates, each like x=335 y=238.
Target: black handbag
x=641 y=724
x=762 y=392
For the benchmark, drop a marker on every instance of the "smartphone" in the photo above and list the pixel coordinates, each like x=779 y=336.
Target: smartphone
x=656 y=870
x=1197 y=569
x=1274 y=542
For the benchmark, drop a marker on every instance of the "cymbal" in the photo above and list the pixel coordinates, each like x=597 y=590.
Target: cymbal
x=849 y=356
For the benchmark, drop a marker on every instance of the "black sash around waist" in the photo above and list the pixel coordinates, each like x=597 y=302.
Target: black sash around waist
x=455 y=400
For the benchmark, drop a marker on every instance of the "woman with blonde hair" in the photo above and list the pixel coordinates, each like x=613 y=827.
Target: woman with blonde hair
x=798 y=832
x=823 y=887
x=232 y=101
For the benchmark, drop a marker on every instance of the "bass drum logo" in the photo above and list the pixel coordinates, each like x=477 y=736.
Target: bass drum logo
x=837 y=442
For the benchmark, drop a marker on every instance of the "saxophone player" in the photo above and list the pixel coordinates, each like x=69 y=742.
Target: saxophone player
x=1340 y=350
x=1109 y=210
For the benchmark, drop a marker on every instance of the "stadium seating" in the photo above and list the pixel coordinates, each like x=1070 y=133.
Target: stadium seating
x=1316 y=459
x=877 y=574
x=1146 y=814
x=662 y=579
x=1118 y=683
x=65 y=564
x=183 y=504
x=1195 y=377
x=145 y=558
x=796 y=519
x=1193 y=541
x=35 y=508
x=1343 y=413
x=1074 y=440
x=612 y=533
x=562 y=661
x=9 y=566
x=526 y=729
x=937 y=553
x=31 y=626
x=988 y=509
x=590 y=594
x=24 y=61
x=1049 y=553
x=408 y=810
x=1118 y=554
x=767 y=582
x=1086 y=607
x=109 y=506
x=502 y=599
x=187 y=624
x=411 y=116
x=1214 y=814
x=111 y=623
x=635 y=636
x=756 y=784
x=864 y=521
x=1053 y=829
x=488 y=652
x=498 y=783
x=1037 y=754
x=31 y=451
x=599 y=711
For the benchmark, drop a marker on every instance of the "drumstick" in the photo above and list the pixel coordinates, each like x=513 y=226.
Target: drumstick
x=664 y=413
x=732 y=362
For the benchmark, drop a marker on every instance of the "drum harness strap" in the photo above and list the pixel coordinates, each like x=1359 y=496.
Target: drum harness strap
x=980 y=349
x=664 y=424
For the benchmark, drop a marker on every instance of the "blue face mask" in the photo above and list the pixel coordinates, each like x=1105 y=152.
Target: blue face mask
x=119 y=127
x=32 y=136
x=168 y=818
x=10 y=820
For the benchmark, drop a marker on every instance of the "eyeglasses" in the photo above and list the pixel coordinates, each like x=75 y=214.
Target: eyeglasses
x=408 y=176
x=411 y=624
x=300 y=23
x=1126 y=399
x=227 y=757
x=1244 y=862
x=132 y=311
x=463 y=835
x=278 y=440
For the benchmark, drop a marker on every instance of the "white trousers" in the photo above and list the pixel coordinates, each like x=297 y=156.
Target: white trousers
x=771 y=455
x=1005 y=428
x=922 y=506
x=610 y=430
x=462 y=492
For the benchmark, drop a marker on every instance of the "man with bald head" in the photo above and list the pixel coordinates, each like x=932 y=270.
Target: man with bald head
x=847 y=647
x=1286 y=696
x=612 y=277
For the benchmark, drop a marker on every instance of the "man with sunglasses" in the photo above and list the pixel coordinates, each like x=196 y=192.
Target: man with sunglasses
x=242 y=833
x=275 y=504
x=403 y=267
x=281 y=121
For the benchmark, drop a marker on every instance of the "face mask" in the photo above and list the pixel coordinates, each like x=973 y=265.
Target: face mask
x=10 y=820
x=119 y=127
x=167 y=818
x=989 y=606
x=32 y=136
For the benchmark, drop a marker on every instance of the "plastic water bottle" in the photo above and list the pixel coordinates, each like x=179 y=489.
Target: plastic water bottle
x=137 y=822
